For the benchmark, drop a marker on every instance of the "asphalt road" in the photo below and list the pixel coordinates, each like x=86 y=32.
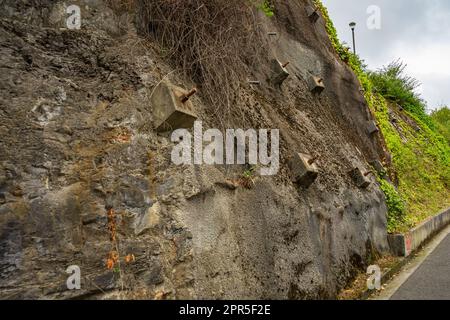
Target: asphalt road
x=431 y=280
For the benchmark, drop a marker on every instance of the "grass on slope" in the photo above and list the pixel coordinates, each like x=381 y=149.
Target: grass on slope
x=421 y=155
x=441 y=118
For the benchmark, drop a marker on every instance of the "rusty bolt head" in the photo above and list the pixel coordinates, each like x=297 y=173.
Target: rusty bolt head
x=312 y=160
x=188 y=95
x=368 y=173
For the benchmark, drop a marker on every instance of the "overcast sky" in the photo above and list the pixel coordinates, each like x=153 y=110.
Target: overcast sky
x=416 y=31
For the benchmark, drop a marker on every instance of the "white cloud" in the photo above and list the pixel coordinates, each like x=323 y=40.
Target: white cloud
x=431 y=59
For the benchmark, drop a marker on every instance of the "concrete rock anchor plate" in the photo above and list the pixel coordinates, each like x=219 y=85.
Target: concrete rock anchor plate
x=169 y=110
x=359 y=178
x=304 y=169
x=279 y=73
x=312 y=14
x=372 y=128
x=315 y=84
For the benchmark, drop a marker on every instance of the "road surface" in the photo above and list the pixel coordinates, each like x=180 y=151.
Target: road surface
x=431 y=279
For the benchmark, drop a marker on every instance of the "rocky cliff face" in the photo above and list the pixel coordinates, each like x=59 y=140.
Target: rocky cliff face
x=79 y=150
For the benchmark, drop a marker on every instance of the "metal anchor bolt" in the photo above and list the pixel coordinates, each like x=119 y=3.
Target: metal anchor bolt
x=311 y=161
x=368 y=173
x=188 y=95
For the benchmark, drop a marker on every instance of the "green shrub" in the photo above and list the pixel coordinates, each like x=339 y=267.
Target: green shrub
x=441 y=118
x=396 y=206
x=396 y=86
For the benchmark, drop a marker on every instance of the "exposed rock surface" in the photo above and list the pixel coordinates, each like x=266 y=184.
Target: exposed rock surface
x=78 y=139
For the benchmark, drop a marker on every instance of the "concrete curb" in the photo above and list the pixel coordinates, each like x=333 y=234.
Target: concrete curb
x=403 y=245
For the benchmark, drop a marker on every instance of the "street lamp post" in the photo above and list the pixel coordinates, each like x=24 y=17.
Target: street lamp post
x=352 y=26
